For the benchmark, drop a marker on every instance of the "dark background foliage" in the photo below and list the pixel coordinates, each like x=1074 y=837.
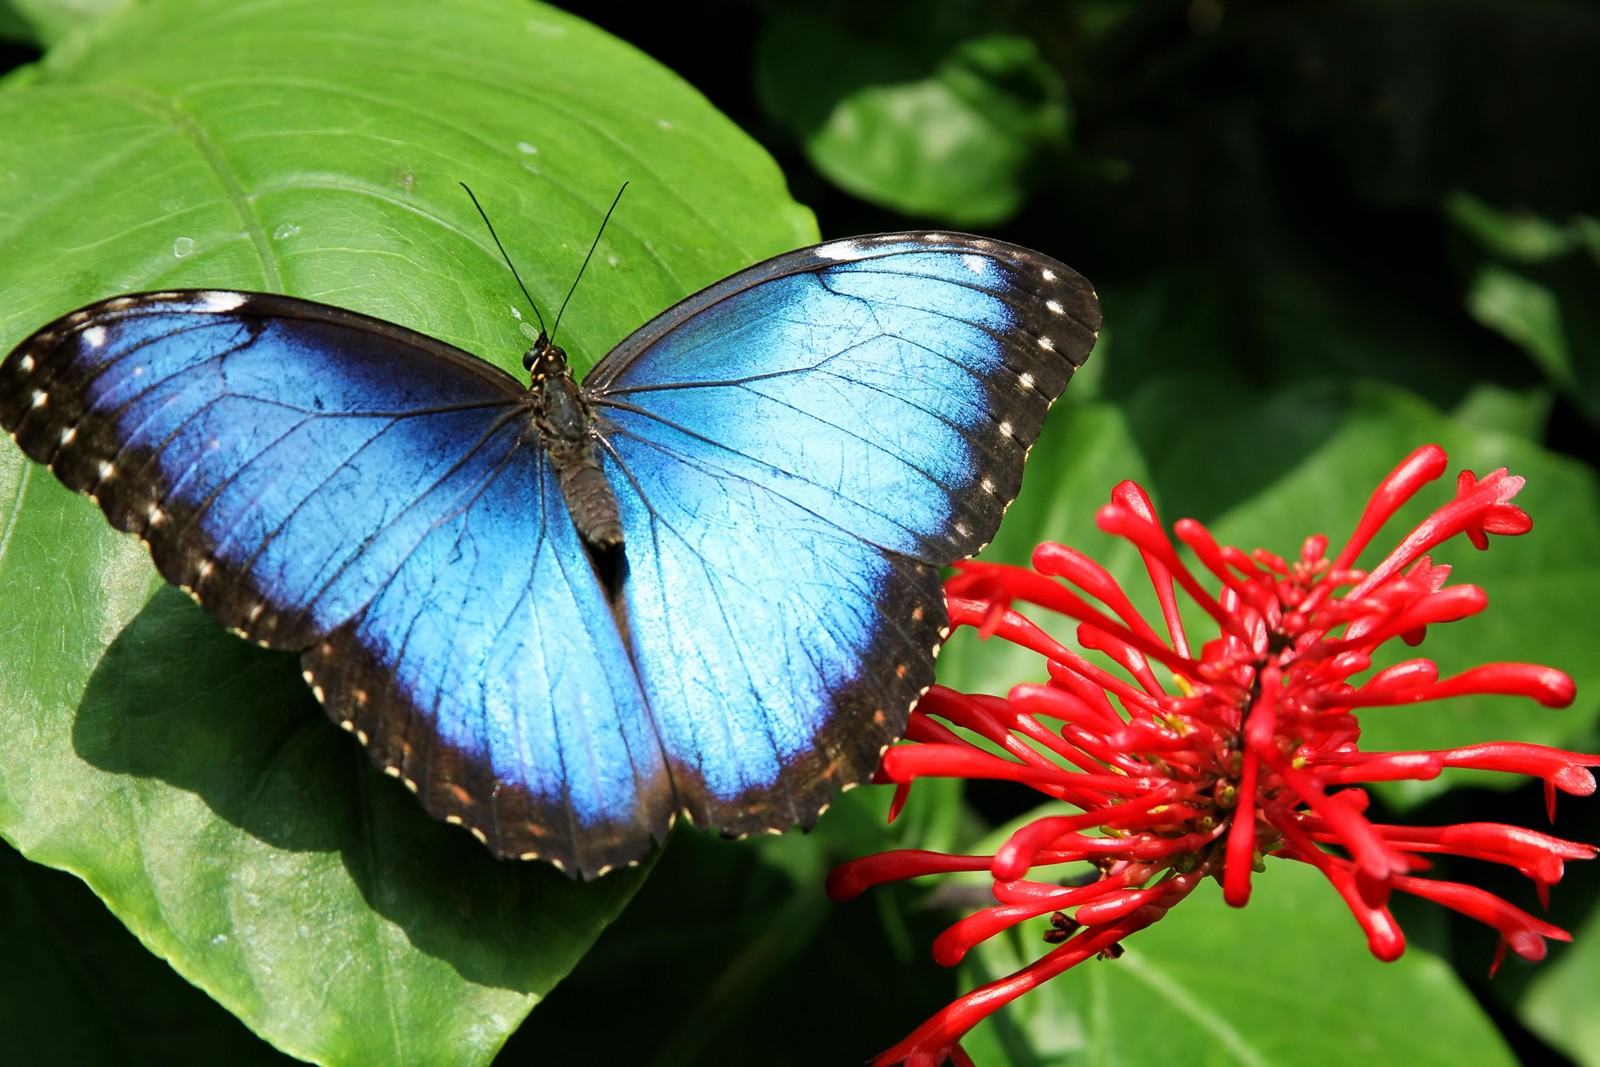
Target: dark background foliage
x=1306 y=167
x=1276 y=200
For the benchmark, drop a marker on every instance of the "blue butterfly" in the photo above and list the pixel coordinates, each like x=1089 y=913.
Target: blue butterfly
x=705 y=581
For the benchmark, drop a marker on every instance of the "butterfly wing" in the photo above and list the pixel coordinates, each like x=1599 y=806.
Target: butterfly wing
x=323 y=481
x=796 y=451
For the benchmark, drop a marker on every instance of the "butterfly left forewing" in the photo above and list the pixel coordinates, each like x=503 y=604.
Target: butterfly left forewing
x=326 y=482
x=489 y=676
x=245 y=437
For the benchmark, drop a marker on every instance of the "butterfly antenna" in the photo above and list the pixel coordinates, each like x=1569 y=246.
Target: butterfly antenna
x=598 y=234
x=532 y=303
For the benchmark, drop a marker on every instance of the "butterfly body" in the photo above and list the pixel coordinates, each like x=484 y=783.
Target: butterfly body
x=566 y=428
x=705 y=581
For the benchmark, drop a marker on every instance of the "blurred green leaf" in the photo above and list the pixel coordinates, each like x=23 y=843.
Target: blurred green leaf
x=316 y=149
x=1515 y=236
x=951 y=129
x=1556 y=997
x=44 y=22
x=1536 y=282
x=1528 y=315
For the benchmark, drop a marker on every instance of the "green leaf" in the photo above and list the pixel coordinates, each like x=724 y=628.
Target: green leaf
x=1286 y=980
x=1528 y=315
x=75 y=987
x=44 y=22
x=316 y=149
x=1535 y=283
x=1557 y=998
x=1517 y=236
x=950 y=125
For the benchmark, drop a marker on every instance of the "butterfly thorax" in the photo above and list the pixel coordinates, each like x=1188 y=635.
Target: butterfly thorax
x=565 y=428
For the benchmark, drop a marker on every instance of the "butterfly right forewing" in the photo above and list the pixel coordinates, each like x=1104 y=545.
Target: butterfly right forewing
x=796 y=451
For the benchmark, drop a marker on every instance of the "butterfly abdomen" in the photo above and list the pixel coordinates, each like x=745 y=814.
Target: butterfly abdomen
x=566 y=430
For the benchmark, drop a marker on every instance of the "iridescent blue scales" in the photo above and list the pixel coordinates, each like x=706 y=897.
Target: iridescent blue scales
x=793 y=454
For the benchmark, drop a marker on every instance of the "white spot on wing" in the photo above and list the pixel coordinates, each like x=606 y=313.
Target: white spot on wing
x=976 y=264
x=107 y=469
x=839 y=250
x=1026 y=379
x=218 y=301
x=94 y=336
x=26 y=364
x=1047 y=344
x=39 y=399
x=1006 y=429
x=69 y=435
x=1048 y=275
x=1055 y=307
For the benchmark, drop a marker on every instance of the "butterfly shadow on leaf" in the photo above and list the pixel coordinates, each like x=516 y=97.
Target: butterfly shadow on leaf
x=177 y=700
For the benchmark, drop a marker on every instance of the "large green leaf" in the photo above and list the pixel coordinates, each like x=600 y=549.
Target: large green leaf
x=315 y=148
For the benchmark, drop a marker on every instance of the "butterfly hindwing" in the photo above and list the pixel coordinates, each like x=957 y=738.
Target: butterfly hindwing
x=796 y=450
x=489 y=674
x=778 y=653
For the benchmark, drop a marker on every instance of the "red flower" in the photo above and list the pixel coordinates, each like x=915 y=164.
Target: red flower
x=1251 y=751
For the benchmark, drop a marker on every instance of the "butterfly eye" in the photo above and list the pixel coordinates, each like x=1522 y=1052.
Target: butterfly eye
x=544 y=360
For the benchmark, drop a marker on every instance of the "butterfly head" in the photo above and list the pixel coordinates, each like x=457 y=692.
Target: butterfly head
x=545 y=359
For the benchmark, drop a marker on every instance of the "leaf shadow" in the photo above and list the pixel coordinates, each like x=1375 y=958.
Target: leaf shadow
x=176 y=699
